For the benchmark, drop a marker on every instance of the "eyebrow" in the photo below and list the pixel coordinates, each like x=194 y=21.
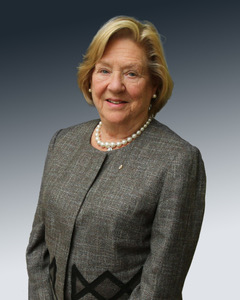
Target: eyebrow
x=128 y=66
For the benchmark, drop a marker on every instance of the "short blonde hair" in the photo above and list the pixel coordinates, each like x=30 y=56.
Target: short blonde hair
x=143 y=33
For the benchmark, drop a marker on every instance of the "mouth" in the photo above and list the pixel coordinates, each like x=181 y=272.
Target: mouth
x=116 y=101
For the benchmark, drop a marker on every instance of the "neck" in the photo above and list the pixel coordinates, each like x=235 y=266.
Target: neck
x=112 y=143
x=114 y=132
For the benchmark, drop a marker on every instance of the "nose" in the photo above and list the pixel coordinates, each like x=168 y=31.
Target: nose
x=116 y=84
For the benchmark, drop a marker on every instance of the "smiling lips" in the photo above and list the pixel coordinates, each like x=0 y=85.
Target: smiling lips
x=116 y=101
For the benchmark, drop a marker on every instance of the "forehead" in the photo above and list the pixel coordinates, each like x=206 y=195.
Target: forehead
x=124 y=50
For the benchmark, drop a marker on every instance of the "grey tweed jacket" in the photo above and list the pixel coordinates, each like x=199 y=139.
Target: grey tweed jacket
x=135 y=214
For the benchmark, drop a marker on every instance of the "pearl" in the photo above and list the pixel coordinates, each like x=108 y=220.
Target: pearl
x=112 y=145
x=119 y=144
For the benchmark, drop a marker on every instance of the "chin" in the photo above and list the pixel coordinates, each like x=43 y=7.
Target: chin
x=117 y=119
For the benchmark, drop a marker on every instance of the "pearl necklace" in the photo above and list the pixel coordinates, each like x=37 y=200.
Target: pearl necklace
x=112 y=145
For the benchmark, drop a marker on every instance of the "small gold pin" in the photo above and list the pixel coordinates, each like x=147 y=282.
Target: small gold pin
x=120 y=167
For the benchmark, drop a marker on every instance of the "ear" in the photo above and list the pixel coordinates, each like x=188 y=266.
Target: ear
x=90 y=86
x=155 y=85
x=154 y=89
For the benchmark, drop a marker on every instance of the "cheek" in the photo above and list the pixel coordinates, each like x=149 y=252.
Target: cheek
x=134 y=91
x=98 y=87
x=140 y=93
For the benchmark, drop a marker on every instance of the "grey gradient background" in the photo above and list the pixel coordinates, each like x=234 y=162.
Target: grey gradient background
x=41 y=45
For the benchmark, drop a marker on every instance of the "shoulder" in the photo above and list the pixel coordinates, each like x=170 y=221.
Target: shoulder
x=162 y=137
x=164 y=145
x=74 y=133
x=68 y=140
x=175 y=155
x=77 y=130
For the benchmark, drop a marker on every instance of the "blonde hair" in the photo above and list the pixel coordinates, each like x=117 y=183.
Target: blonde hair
x=143 y=33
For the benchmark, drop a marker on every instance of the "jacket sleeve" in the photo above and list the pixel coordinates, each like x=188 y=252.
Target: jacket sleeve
x=37 y=253
x=175 y=229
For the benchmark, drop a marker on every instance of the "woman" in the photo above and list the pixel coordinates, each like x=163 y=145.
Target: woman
x=122 y=200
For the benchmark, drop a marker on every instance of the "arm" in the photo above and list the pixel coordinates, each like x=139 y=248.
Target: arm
x=175 y=229
x=37 y=253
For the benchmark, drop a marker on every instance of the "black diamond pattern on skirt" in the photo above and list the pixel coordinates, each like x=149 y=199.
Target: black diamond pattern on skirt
x=119 y=288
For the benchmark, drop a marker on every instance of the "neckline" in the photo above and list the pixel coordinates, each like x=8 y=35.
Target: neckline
x=96 y=151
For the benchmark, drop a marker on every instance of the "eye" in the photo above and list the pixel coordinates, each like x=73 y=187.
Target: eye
x=132 y=74
x=103 y=71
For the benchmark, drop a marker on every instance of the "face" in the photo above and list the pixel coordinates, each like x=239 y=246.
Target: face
x=121 y=84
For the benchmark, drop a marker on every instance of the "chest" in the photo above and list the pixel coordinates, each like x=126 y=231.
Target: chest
x=114 y=195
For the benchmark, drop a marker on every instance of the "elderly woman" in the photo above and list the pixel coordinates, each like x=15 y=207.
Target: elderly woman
x=122 y=199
